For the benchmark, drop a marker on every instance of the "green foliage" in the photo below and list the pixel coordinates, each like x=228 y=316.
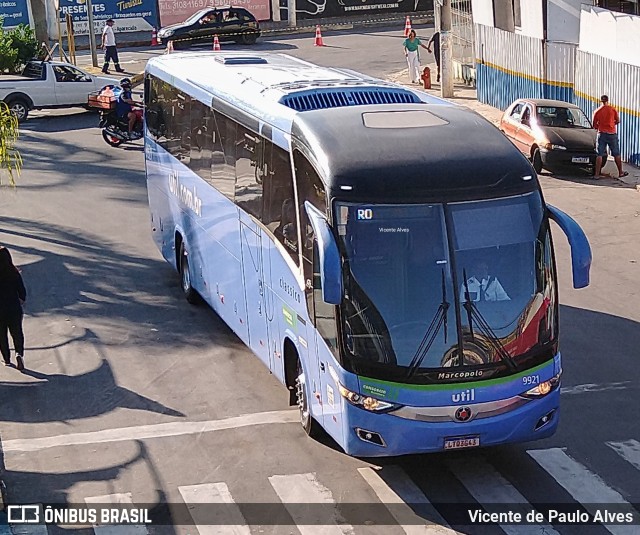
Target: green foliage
x=24 y=41
x=10 y=159
x=17 y=46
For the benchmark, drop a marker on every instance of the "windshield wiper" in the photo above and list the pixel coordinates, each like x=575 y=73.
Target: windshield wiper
x=474 y=314
x=439 y=319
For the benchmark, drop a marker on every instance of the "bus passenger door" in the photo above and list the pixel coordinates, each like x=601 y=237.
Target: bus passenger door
x=253 y=275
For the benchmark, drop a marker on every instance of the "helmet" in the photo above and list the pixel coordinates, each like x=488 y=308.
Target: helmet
x=125 y=82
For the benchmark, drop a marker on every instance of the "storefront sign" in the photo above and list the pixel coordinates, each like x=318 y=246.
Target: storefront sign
x=14 y=12
x=129 y=15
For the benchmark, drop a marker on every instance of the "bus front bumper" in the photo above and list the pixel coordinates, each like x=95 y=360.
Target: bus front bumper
x=369 y=434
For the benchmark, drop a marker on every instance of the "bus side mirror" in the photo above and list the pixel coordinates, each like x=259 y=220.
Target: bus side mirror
x=329 y=261
x=580 y=248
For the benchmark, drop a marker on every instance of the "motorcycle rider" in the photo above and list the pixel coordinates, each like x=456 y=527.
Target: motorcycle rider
x=124 y=106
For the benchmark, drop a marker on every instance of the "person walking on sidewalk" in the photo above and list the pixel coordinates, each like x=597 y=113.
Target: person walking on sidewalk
x=12 y=295
x=110 y=48
x=411 y=45
x=605 y=121
x=435 y=41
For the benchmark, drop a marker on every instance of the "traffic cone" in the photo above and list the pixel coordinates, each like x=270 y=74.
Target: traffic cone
x=216 y=43
x=169 y=48
x=407 y=26
x=318 y=37
x=154 y=38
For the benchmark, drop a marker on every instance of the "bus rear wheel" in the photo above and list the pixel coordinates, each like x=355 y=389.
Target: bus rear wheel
x=310 y=426
x=185 y=277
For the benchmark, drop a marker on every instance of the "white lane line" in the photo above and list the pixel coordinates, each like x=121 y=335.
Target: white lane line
x=397 y=490
x=296 y=490
x=586 y=487
x=115 y=499
x=230 y=523
x=489 y=487
x=628 y=450
x=591 y=387
x=151 y=431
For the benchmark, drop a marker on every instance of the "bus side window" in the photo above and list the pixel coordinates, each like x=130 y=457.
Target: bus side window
x=249 y=161
x=279 y=212
x=201 y=139
x=223 y=156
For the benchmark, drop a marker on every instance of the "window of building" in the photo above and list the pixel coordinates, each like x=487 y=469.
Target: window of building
x=631 y=7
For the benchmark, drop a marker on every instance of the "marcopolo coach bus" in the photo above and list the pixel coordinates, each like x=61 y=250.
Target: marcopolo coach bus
x=387 y=255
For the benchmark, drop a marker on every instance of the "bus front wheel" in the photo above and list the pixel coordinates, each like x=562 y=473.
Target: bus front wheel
x=185 y=277
x=310 y=426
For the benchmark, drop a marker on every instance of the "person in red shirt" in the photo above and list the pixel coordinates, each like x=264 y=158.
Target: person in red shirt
x=605 y=121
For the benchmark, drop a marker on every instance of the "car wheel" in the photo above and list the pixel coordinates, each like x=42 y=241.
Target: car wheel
x=536 y=160
x=249 y=39
x=185 y=277
x=19 y=109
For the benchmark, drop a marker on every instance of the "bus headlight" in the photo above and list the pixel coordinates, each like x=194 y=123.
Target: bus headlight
x=543 y=388
x=367 y=402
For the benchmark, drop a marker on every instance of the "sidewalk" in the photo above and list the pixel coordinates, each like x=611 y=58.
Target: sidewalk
x=467 y=96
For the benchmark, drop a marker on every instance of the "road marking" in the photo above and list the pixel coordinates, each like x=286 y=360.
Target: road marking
x=151 y=431
x=115 y=499
x=489 y=487
x=628 y=450
x=592 y=387
x=295 y=490
x=214 y=493
x=586 y=487
x=398 y=490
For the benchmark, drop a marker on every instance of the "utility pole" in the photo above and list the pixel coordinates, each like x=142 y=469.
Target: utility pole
x=293 y=22
x=446 y=51
x=92 y=34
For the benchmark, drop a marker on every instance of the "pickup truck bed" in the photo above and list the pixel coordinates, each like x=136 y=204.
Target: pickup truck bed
x=48 y=84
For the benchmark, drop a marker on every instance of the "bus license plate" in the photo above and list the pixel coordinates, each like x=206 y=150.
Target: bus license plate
x=580 y=160
x=461 y=442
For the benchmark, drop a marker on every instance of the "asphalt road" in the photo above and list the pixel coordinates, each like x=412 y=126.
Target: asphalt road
x=132 y=392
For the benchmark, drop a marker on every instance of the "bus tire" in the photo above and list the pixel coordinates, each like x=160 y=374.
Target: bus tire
x=185 y=277
x=310 y=426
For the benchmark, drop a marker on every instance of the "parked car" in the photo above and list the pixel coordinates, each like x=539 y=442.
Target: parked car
x=48 y=84
x=552 y=133
x=228 y=23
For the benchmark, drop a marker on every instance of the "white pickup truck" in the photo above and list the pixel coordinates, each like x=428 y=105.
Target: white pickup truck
x=48 y=84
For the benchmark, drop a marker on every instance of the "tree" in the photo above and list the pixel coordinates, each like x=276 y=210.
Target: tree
x=10 y=159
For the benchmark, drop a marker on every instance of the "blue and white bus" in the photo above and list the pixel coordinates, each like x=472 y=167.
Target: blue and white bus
x=387 y=255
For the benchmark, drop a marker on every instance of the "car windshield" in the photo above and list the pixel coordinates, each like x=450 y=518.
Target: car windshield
x=562 y=117
x=411 y=269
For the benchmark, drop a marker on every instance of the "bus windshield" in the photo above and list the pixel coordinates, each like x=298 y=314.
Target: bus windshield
x=428 y=283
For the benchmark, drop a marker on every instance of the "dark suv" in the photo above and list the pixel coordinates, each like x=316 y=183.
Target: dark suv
x=228 y=23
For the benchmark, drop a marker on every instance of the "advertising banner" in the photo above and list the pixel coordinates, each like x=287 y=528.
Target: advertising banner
x=173 y=11
x=129 y=15
x=14 y=12
x=315 y=9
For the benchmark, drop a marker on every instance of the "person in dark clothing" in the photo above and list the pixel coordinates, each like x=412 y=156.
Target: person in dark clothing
x=12 y=296
x=435 y=41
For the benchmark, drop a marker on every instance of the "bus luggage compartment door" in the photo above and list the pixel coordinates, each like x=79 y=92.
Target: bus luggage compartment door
x=254 y=288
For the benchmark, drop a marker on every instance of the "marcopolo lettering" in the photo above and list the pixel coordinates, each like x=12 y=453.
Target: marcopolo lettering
x=460 y=375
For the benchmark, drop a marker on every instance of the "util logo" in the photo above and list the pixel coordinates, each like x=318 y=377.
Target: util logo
x=365 y=213
x=466 y=395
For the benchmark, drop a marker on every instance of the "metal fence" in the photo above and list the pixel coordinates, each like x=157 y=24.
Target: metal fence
x=595 y=76
x=463 y=40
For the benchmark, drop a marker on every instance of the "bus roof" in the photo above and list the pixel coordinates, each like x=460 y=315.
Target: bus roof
x=412 y=152
x=273 y=88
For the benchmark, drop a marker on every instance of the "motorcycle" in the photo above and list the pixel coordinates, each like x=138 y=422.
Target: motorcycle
x=115 y=130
